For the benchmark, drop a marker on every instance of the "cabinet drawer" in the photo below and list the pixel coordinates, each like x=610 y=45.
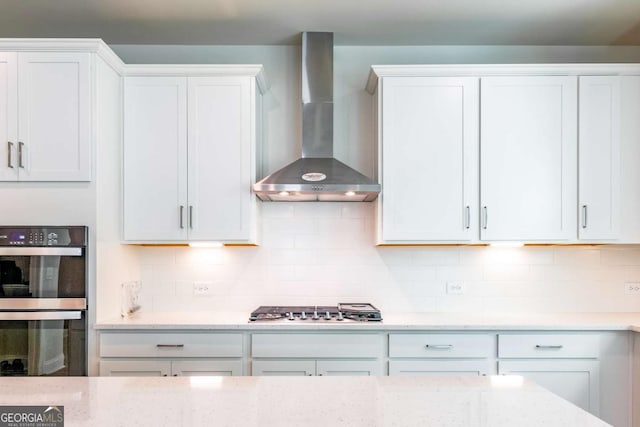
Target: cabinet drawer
x=158 y=344
x=474 y=367
x=548 y=346
x=316 y=345
x=440 y=345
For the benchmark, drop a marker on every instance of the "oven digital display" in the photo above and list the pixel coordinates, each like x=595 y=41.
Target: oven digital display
x=17 y=236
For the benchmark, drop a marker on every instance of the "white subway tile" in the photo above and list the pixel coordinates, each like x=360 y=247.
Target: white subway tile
x=277 y=210
x=318 y=210
x=339 y=226
x=156 y=255
x=620 y=256
x=357 y=210
x=506 y=272
x=422 y=288
x=413 y=273
x=272 y=239
x=436 y=256
x=396 y=255
x=569 y=255
x=460 y=273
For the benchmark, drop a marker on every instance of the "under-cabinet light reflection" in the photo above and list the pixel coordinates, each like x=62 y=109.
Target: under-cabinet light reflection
x=206 y=244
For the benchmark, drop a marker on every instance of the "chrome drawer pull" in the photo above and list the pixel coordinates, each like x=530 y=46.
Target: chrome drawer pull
x=439 y=346
x=549 y=347
x=10 y=154
x=21 y=154
x=467 y=220
x=170 y=345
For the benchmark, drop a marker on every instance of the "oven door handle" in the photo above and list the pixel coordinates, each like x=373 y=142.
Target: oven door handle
x=37 y=251
x=40 y=315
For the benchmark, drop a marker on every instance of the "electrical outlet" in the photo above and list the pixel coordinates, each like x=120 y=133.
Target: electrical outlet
x=455 y=288
x=202 y=289
x=632 y=288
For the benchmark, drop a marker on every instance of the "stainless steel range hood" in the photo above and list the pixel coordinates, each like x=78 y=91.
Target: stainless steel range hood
x=317 y=176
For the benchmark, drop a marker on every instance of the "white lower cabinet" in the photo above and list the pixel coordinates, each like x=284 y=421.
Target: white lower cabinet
x=440 y=367
x=320 y=354
x=164 y=368
x=441 y=354
x=577 y=381
x=316 y=367
x=636 y=380
x=566 y=364
x=186 y=353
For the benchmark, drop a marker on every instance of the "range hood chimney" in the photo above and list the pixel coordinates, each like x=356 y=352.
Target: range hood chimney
x=317 y=176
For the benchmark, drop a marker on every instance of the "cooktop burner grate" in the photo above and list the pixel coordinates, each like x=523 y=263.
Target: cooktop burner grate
x=363 y=312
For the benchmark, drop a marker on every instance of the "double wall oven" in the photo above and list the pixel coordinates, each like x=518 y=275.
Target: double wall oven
x=43 y=288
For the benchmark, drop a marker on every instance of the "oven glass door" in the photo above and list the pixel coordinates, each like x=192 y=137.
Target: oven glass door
x=37 y=278
x=43 y=343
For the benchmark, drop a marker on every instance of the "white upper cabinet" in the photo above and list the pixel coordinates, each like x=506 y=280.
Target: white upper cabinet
x=220 y=162
x=599 y=158
x=8 y=116
x=428 y=159
x=155 y=158
x=528 y=168
x=189 y=158
x=46 y=116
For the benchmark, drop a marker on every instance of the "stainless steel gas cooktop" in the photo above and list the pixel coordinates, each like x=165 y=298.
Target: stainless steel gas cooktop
x=362 y=312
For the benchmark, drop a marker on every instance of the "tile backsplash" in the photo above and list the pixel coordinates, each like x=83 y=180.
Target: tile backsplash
x=324 y=253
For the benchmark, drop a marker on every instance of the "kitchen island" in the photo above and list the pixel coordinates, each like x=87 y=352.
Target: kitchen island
x=491 y=401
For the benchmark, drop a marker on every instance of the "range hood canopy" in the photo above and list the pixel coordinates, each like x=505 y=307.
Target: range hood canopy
x=317 y=176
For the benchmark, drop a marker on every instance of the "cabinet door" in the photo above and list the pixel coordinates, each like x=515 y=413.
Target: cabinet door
x=8 y=116
x=349 y=367
x=599 y=158
x=528 y=158
x=429 y=159
x=220 y=127
x=636 y=380
x=305 y=368
x=54 y=116
x=577 y=381
x=440 y=367
x=135 y=368
x=155 y=159
x=190 y=368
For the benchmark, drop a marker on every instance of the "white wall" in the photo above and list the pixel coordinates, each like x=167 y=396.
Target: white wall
x=315 y=253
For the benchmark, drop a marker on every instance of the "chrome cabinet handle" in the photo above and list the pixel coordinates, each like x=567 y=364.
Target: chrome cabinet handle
x=10 y=154
x=468 y=217
x=181 y=216
x=21 y=154
x=191 y=217
x=170 y=345
x=584 y=216
x=548 y=347
x=439 y=346
x=485 y=217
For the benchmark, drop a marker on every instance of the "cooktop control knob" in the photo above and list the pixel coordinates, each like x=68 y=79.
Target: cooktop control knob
x=340 y=316
x=303 y=316
x=315 y=315
x=291 y=316
x=327 y=316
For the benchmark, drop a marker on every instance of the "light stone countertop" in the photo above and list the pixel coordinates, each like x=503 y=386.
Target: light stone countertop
x=292 y=401
x=391 y=321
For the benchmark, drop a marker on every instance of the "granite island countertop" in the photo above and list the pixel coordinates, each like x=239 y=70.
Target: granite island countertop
x=391 y=321
x=493 y=401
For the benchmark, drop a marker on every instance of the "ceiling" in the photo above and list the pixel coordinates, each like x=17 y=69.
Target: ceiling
x=354 y=22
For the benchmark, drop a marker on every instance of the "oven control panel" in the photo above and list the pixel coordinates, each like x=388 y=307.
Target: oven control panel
x=43 y=236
